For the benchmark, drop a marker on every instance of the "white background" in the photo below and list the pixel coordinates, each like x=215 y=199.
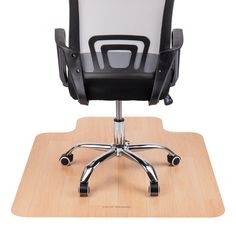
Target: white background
x=34 y=101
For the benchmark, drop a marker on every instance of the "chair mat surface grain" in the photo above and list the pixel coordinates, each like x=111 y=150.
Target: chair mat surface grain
x=118 y=186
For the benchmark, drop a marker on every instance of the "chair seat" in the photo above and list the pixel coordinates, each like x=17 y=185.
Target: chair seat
x=119 y=86
x=119 y=83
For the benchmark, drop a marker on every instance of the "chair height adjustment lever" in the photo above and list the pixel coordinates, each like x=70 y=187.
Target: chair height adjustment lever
x=168 y=100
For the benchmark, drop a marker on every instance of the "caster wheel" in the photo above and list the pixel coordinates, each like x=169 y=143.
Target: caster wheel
x=84 y=190
x=66 y=160
x=154 y=189
x=173 y=160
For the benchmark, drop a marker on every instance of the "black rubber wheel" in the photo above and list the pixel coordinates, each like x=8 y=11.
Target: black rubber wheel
x=173 y=160
x=154 y=189
x=66 y=159
x=84 y=190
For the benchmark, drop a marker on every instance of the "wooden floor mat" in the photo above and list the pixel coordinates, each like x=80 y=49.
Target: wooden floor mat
x=118 y=186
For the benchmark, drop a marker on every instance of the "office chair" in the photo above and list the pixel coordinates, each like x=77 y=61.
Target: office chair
x=120 y=50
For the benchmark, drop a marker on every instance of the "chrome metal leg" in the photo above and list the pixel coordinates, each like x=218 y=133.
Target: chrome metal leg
x=93 y=164
x=84 y=187
x=146 y=166
x=67 y=158
x=96 y=146
x=148 y=146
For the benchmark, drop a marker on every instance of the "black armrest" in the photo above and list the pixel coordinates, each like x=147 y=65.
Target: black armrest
x=177 y=43
x=177 y=38
x=168 y=68
x=60 y=38
x=70 y=59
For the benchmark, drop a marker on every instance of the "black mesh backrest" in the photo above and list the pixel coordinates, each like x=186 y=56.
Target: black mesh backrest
x=120 y=35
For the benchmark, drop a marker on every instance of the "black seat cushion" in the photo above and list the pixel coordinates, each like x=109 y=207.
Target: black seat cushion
x=118 y=86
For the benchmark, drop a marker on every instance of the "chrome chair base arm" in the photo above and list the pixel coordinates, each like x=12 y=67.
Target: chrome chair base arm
x=67 y=158
x=96 y=146
x=146 y=166
x=84 y=189
x=148 y=146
